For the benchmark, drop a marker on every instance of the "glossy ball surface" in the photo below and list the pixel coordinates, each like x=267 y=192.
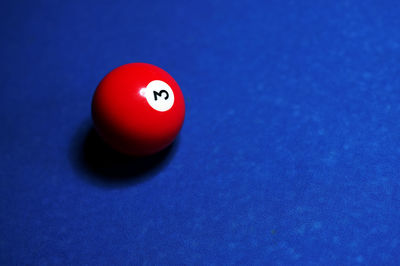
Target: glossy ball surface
x=138 y=109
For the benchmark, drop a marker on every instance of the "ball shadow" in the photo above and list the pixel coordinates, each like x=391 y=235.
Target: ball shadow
x=101 y=165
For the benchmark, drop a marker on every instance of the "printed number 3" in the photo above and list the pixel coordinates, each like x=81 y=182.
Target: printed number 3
x=159 y=94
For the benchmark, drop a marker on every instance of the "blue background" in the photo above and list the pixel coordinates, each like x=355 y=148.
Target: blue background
x=289 y=153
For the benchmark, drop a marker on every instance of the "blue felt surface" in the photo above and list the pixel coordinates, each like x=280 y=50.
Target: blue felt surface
x=289 y=153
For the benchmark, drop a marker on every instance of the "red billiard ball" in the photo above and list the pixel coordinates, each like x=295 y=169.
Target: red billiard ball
x=138 y=109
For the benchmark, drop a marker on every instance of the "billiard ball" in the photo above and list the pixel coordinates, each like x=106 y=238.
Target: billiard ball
x=138 y=109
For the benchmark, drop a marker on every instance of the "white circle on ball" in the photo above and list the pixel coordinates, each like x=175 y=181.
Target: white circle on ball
x=159 y=95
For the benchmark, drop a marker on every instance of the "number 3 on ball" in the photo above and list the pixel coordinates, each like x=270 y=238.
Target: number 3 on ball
x=159 y=95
